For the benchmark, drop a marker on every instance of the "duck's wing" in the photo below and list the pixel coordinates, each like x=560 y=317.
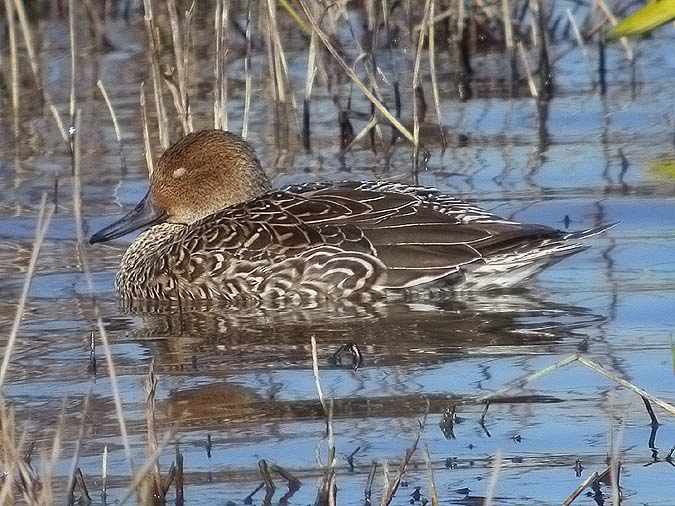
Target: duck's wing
x=355 y=235
x=420 y=234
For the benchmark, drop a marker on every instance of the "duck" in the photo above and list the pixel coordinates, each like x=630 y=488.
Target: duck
x=216 y=231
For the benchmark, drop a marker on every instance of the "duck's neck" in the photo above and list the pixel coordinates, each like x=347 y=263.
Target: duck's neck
x=144 y=253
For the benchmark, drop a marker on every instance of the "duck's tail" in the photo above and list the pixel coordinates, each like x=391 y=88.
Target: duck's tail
x=589 y=232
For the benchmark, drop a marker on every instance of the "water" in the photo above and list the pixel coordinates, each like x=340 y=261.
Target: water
x=236 y=385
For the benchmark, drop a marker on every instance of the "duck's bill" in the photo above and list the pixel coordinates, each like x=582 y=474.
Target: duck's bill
x=143 y=215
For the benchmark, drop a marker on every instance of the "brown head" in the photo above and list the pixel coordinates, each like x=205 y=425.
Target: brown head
x=202 y=173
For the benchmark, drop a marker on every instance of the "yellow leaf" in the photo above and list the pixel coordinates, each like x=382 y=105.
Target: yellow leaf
x=652 y=15
x=664 y=167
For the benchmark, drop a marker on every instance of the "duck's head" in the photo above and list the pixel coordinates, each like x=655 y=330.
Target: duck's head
x=202 y=173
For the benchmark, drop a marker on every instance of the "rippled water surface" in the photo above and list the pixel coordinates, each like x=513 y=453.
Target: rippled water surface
x=236 y=385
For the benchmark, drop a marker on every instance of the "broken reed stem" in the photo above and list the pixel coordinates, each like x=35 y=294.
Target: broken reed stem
x=44 y=217
x=247 y=74
x=116 y=126
x=352 y=75
x=434 y=78
x=113 y=116
x=580 y=488
x=146 y=134
x=14 y=67
x=78 y=443
x=187 y=42
x=35 y=68
x=220 y=119
x=162 y=121
x=315 y=369
x=494 y=476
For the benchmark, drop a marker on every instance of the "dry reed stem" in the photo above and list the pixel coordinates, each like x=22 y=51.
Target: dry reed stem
x=97 y=27
x=461 y=13
x=391 y=487
x=178 y=51
x=146 y=134
x=220 y=118
x=434 y=78
x=612 y=19
x=591 y=364
x=140 y=474
x=113 y=116
x=77 y=211
x=104 y=474
x=615 y=463
x=315 y=369
x=528 y=72
x=187 y=47
x=578 y=37
x=48 y=465
x=494 y=477
x=44 y=217
x=624 y=383
x=352 y=75
x=521 y=382
x=162 y=121
x=372 y=122
x=432 y=481
x=35 y=68
x=73 y=59
x=311 y=67
x=295 y=17
x=7 y=438
x=150 y=386
x=415 y=80
x=488 y=10
x=275 y=63
x=78 y=443
x=326 y=491
x=14 y=66
x=116 y=126
x=280 y=64
x=581 y=487
x=508 y=27
x=15 y=457
x=247 y=74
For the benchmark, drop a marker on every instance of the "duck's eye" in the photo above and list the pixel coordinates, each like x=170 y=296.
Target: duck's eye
x=179 y=172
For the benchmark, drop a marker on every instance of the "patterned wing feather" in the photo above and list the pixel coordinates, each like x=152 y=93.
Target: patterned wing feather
x=336 y=239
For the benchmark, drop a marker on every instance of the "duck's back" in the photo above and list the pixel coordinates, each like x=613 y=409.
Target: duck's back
x=337 y=239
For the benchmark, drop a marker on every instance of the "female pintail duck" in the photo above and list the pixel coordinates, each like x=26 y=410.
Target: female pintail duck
x=219 y=232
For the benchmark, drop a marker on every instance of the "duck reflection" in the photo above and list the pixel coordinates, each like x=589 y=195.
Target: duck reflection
x=235 y=363
x=386 y=330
